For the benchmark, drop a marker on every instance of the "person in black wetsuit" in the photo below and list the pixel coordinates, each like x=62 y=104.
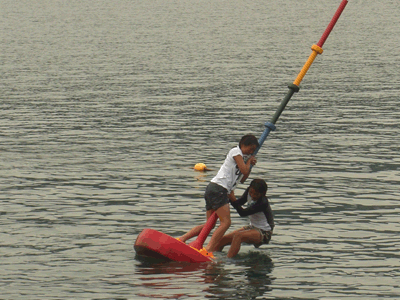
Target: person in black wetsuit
x=261 y=219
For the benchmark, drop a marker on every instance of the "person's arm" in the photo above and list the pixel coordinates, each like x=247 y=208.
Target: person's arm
x=241 y=200
x=270 y=217
x=255 y=208
x=245 y=168
x=244 y=178
x=232 y=197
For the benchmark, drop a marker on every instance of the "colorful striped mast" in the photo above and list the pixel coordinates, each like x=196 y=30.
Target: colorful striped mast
x=295 y=86
x=156 y=244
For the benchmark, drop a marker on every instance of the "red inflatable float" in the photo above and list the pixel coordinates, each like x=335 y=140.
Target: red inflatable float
x=155 y=244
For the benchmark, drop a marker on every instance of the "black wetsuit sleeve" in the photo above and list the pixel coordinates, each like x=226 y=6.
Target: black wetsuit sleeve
x=242 y=199
x=255 y=208
x=270 y=216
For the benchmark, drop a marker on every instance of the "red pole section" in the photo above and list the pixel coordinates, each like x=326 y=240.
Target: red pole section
x=332 y=23
x=198 y=243
x=317 y=49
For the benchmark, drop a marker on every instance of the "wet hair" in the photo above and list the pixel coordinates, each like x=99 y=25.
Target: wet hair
x=260 y=186
x=249 y=140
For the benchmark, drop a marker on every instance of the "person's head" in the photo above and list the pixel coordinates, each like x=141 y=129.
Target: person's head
x=248 y=144
x=258 y=189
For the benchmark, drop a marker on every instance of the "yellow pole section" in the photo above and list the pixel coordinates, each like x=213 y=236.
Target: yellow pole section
x=316 y=50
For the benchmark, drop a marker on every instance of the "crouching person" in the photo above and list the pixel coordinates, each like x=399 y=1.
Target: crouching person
x=259 y=211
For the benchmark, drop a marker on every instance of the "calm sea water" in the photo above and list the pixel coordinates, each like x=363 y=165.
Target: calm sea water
x=107 y=105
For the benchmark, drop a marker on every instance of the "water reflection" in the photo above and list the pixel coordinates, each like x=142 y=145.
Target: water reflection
x=202 y=177
x=247 y=276
x=169 y=280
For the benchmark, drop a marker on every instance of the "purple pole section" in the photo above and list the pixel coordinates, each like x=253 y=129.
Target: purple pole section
x=332 y=23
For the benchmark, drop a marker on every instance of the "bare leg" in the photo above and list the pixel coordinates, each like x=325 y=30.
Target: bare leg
x=191 y=233
x=195 y=231
x=224 y=216
x=251 y=236
x=226 y=240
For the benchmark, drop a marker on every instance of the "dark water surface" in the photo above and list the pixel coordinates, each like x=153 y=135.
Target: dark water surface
x=106 y=106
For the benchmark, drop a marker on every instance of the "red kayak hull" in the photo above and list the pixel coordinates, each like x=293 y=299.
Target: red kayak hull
x=155 y=244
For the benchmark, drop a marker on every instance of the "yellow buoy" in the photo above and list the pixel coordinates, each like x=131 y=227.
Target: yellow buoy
x=200 y=167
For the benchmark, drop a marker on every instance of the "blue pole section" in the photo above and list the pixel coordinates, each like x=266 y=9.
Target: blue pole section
x=270 y=126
